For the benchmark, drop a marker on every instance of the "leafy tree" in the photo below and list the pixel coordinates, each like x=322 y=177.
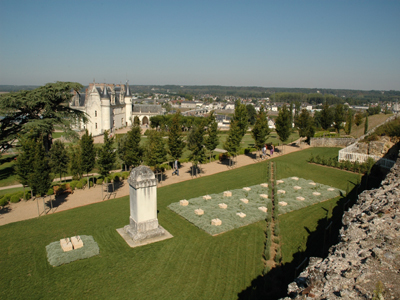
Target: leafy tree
x=106 y=155
x=175 y=139
x=24 y=162
x=75 y=162
x=40 y=179
x=59 y=158
x=366 y=124
x=326 y=117
x=338 y=117
x=129 y=149
x=37 y=112
x=211 y=142
x=282 y=124
x=240 y=116
x=305 y=124
x=251 y=114
x=358 y=119
x=88 y=152
x=155 y=154
x=260 y=130
x=349 y=121
x=317 y=119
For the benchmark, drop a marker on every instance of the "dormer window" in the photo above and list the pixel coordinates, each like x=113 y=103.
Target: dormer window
x=95 y=113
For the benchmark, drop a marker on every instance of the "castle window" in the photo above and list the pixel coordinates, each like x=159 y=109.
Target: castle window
x=95 y=113
x=122 y=120
x=95 y=125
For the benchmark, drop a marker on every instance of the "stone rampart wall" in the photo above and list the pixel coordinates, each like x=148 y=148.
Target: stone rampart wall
x=331 y=142
x=368 y=252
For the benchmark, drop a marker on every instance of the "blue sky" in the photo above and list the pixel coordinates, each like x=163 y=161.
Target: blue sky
x=311 y=44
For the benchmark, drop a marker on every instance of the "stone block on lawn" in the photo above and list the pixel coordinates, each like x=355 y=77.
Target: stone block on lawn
x=264 y=185
x=316 y=193
x=222 y=205
x=281 y=192
x=227 y=194
x=76 y=242
x=296 y=187
x=312 y=183
x=279 y=181
x=242 y=215
x=282 y=203
x=184 y=202
x=207 y=197
x=300 y=198
x=66 y=245
x=265 y=196
x=295 y=178
x=263 y=209
x=247 y=189
x=244 y=200
x=331 y=189
x=199 y=212
x=216 y=222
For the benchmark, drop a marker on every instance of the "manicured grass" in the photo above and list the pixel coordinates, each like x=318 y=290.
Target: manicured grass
x=7 y=174
x=191 y=265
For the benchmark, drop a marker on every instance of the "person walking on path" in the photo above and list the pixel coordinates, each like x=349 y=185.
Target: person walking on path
x=264 y=152
x=271 y=151
x=176 y=167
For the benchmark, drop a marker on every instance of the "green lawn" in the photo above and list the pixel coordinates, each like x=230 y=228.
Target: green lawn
x=191 y=265
x=7 y=176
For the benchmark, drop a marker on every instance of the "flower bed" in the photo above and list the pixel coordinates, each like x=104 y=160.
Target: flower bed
x=307 y=195
x=228 y=216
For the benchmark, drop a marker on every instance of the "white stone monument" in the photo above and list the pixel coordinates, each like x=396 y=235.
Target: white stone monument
x=143 y=225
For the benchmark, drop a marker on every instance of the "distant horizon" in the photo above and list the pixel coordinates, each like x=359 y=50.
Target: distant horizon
x=349 y=45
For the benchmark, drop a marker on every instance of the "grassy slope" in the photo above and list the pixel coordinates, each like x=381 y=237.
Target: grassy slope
x=190 y=265
x=373 y=121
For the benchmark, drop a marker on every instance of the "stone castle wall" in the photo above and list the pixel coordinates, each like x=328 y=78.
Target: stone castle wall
x=368 y=252
x=331 y=142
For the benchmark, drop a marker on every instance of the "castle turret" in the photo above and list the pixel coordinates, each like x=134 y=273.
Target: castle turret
x=128 y=105
x=105 y=109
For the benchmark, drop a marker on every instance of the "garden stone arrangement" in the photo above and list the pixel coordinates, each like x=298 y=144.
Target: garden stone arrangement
x=218 y=213
x=295 y=193
x=366 y=262
x=68 y=250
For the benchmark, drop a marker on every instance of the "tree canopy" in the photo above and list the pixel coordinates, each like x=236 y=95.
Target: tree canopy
x=260 y=130
x=37 y=112
x=282 y=124
x=175 y=139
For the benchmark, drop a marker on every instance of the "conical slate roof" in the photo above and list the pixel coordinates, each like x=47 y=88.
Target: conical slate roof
x=105 y=95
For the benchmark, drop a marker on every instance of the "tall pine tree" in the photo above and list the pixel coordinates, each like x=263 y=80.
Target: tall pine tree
x=59 y=158
x=24 y=162
x=155 y=153
x=195 y=144
x=106 y=155
x=175 y=139
x=282 y=124
x=349 y=121
x=75 y=162
x=260 y=130
x=40 y=180
x=88 y=153
x=129 y=149
x=212 y=140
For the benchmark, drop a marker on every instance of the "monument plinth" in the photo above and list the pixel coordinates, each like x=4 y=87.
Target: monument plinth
x=143 y=225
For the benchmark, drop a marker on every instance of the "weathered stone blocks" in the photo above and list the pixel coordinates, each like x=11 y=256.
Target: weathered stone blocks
x=247 y=189
x=207 y=197
x=295 y=178
x=66 y=244
x=222 y=205
x=263 y=209
x=282 y=203
x=227 y=194
x=265 y=196
x=281 y=192
x=312 y=183
x=240 y=214
x=76 y=242
x=264 y=185
x=279 y=181
x=316 y=193
x=296 y=187
x=216 y=222
x=199 y=212
x=331 y=189
x=244 y=200
x=184 y=202
x=300 y=198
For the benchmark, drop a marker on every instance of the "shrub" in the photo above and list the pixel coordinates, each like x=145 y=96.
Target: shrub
x=27 y=195
x=73 y=184
x=7 y=197
x=348 y=165
x=3 y=201
x=15 y=198
x=165 y=167
x=99 y=181
x=276 y=231
x=90 y=183
x=83 y=181
x=266 y=269
x=50 y=192
x=79 y=185
x=278 y=256
x=317 y=159
x=125 y=175
x=311 y=159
